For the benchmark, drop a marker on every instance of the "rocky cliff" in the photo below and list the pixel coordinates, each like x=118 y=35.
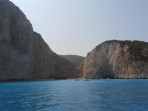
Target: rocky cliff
x=74 y=59
x=117 y=59
x=16 y=48
x=50 y=65
x=23 y=53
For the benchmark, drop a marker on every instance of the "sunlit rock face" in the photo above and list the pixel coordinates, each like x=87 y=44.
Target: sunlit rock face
x=117 y=59
x=16 y=48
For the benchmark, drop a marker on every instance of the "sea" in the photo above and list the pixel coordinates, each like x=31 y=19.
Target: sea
x=75 y=95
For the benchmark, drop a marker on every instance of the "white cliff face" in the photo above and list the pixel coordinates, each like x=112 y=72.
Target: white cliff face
x=115 y=59
x=16 y=48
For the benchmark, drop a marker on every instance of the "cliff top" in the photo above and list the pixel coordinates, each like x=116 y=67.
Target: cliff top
x=138 y=50
x=125 y=42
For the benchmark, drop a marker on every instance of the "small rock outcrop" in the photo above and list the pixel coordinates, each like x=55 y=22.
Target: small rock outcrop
x=117 y=59
x=24 y=55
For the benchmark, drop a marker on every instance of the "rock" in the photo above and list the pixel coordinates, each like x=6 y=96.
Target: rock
x=50 y=65
x=74 y=59
x=24 y=55
x=16 y=48
x=117 y=59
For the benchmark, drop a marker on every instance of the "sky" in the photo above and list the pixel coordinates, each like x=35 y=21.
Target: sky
x=78 y=26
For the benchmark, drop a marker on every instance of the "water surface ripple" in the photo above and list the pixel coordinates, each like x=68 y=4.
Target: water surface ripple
x=74 y=95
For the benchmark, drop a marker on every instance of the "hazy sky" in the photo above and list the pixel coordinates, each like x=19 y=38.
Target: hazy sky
x=77 y=26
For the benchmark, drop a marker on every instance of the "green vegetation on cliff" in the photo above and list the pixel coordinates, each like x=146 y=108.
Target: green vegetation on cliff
x=138 y=51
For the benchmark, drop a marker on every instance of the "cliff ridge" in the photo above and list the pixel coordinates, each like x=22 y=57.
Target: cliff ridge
x=117 y=59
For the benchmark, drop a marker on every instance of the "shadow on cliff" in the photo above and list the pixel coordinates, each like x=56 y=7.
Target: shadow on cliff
x=105 y=71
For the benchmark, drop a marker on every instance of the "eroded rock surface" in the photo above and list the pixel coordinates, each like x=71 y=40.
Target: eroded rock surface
x=16 y=48
x=24 y=55
x=50 y=65
x=117 y=59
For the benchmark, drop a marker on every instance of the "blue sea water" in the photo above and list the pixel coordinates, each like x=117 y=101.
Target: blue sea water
x=74 y=95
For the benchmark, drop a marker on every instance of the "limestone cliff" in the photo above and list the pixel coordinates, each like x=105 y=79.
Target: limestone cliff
x=16 y=48
x=117 y=59
x=24 y=54
x=50 y=65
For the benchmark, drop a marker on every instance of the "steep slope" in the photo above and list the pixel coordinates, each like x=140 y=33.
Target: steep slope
x=50 y=65
x=117 y=59
x=24 y=54
x=16 y=48
x=75 y=59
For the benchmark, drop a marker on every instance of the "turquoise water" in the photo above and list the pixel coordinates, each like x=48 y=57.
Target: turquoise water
x=73 y=95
